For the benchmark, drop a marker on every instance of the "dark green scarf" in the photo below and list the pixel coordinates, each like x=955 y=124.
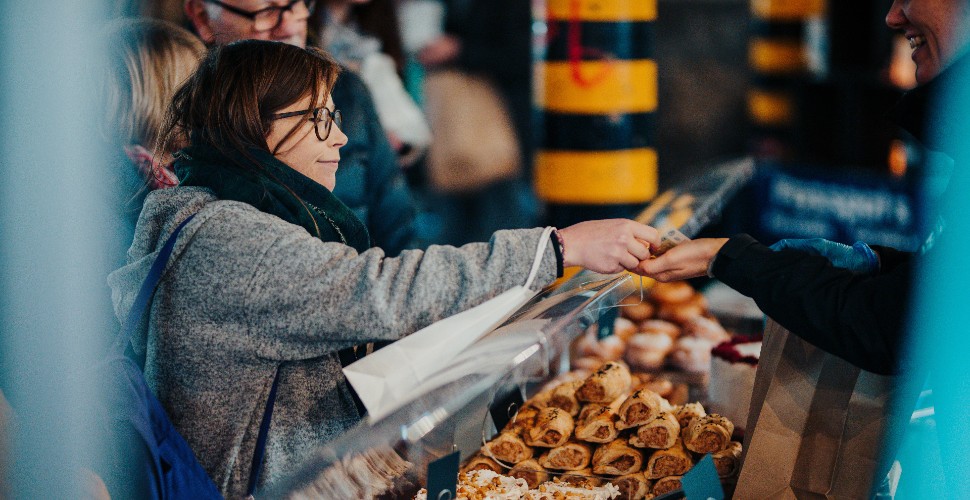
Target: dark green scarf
x=314 y=207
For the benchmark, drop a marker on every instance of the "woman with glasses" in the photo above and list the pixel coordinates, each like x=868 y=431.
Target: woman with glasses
x=274 y=275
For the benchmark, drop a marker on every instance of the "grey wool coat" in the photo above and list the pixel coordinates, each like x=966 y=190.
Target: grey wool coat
x=247 y=293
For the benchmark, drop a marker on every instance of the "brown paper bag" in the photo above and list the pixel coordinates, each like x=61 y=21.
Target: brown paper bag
x=818 y=427
x=473 y=141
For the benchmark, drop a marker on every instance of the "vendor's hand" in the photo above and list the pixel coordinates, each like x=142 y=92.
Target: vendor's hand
x=689 y=259
x=607 y=246
x=858 y=258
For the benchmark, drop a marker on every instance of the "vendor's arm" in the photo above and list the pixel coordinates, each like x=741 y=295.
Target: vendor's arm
x=859 y=318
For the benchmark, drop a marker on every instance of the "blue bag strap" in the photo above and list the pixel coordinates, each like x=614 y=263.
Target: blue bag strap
x=260 y=452
x=145 y=294
x=134 y=318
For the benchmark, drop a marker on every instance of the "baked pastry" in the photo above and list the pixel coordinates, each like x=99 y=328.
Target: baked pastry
x=683 y=312
x=661 y=432
x=580 y=478
x=708 y=434
x=666 y=485
x=688 y=412
x=673 y=461
x=597 y=424
x=610 y=348
x=650 y=382
x=524 y=419
x=564 y=397
x=635 y=308
x=692 y=354
x=481 y=462
x=530 y=470
x=609 y=382
x=671 y=292
x=623 y=328
x=706 y=328
x=586 y=363
x=728 y=461
x=640 y=408
x=553 y=427
x=617 y=459
x=508 y=447
x=573 y=455
x=648 y=351
x=660 y=326
x=634 y=486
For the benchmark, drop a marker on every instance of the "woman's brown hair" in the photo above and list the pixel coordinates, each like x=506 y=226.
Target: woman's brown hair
x=229 y=102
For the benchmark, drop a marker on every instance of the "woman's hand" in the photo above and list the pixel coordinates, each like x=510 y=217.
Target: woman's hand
x=689 y=259
x=607 y=246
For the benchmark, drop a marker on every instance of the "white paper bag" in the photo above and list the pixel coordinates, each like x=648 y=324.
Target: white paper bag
x=387 y=379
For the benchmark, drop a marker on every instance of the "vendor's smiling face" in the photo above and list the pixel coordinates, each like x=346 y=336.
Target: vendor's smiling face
x=937 y=31
x=303 y=150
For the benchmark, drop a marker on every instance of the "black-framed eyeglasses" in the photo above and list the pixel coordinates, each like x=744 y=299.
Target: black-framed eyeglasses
x=318 y=116
x=269 y=18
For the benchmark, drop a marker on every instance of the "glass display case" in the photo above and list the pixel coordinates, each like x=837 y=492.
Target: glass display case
x=472 y=397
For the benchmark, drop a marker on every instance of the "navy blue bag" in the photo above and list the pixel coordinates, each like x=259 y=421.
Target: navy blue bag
x=150 y=459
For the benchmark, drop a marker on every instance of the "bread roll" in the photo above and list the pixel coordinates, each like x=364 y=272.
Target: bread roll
x=672 y=292
x=634 y=308
x=648 y=351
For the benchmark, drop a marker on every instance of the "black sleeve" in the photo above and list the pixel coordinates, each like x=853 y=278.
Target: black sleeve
x=856 y=317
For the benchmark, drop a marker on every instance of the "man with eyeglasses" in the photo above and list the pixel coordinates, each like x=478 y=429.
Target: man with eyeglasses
x=369 y=180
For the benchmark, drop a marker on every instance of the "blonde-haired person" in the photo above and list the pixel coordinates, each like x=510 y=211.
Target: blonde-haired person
x=147 y=60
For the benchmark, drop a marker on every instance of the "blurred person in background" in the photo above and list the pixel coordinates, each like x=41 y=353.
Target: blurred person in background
x=363 y=35
x=147 y=60
x=371 y=183
x=490 y=39
x=274 y=275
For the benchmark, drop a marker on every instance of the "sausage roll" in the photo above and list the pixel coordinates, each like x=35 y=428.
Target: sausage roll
x=687 y=412
x=552 y=428
x=507 y=447
x=531 y=472
x=609 y=382
x=728 y=460
x=673 y=461
x=708 y=434
x=634 y=486
x=481 y=462
x=564 y=397
x=661 y=432
x=640 y=408
x=666 y=485
x=617 y=459
x=573 y=455
x=581 y=478
x=597 y=424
